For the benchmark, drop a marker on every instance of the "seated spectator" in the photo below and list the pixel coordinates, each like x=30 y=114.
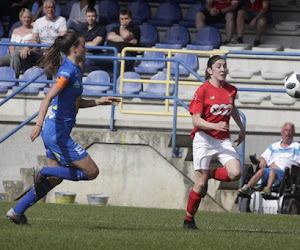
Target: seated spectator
x=94 y=35
x=22 y=34
x=77 y=20
x=45 y=30
x=127 y=35
x=218 y=11
x=274 y=160
x=256 y=14
x=37 y=10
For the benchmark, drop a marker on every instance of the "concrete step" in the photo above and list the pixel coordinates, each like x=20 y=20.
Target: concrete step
x=13 y=189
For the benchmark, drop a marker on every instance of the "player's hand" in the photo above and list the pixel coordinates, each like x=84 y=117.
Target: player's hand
x=35 y=132
x=221 y=126
x=108 y=100
x=240 y=138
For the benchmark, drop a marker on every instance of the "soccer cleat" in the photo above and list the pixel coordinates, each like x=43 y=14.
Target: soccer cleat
x=37 y=179
x=244 y=191
x=266 y=191
x=19 y=219
x=190 y=224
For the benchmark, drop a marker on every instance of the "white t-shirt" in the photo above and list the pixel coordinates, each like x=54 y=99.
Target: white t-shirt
x=282 y=157
x=49 y=30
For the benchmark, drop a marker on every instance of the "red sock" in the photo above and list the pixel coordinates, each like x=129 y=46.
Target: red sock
x=220 y=174
x=193 y=204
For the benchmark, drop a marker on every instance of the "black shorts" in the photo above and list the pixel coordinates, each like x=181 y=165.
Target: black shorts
x=209 y=19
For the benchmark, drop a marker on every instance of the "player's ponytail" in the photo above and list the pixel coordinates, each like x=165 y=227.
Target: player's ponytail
x=52 y=59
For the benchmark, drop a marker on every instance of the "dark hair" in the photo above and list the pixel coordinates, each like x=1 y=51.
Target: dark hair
x=210 y=62
x=90 y=9
x=52 y=59
x=125 y=11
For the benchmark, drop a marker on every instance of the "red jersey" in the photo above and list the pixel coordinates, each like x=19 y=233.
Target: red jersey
x=222 y=4
x=256 y=5
x=214 y=105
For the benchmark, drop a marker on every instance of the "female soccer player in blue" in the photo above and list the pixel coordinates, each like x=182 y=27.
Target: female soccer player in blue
x=66 y=159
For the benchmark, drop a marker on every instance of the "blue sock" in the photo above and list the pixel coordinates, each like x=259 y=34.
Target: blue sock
x=67 y=173
x=30 y=198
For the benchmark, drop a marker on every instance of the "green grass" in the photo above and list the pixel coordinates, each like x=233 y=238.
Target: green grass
x=58 y=226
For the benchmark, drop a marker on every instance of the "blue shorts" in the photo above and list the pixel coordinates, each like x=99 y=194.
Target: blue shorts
x=59 y=145
x=279 y=175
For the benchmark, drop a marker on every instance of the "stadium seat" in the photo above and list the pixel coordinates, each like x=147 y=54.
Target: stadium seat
x=1 y=30
x=15 y=25
x=206 y=38
x=3 y=50
x=158 y=89
x=108 y=11
x=151 y=67
x=66 y=10
x=32 y=72
x=252 y=97
x=282 y=99
x=140 y=10
x=190 y=59
x=166 y=14
x=7 y=73
x=175 y=37
x=129 y=87
x=97 y=76
x=149 y=35
x=189 y=18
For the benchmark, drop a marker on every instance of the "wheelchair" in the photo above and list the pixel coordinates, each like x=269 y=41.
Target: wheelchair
x=284 y=198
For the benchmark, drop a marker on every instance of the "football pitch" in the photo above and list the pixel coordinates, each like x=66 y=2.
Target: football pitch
x=73 y=226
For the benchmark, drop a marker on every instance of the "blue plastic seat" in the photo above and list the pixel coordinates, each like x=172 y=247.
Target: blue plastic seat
x=166 y=14
x=31 y=73
x=151 y=67
x=190 y=59
x=129 y=87
x=206 y=38
x=158 y=89
x=7 y=73
x=189 y=18
x=108 y=11
x=140 y=11
x=97 y=76
x=149 y=35
x=3 y=50
x=175 y=37
x=15 y=25
x=66 y=10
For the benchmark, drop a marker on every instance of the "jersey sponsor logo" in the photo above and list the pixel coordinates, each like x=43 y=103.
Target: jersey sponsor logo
x=221 y=109
x=212 y=98
x=79 y=149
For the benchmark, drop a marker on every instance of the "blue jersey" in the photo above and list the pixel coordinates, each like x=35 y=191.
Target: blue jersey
x=65 y=104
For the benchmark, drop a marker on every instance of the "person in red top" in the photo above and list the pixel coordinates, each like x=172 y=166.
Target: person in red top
x=257 y=13
x=218 y=11
x=211 y=108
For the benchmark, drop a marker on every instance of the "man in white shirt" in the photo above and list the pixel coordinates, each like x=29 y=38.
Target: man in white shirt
x=45 y=31
x=274 y=160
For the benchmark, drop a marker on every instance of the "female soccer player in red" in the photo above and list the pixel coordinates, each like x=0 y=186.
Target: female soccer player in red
x=211 y=108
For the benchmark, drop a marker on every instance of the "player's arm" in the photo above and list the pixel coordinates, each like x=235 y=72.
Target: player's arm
x=106 y=100
x=262 y=162
x=199 y=122
x=236 y=117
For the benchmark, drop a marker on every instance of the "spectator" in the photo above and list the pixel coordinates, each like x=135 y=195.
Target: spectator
x=37 y=10
x=211 y=109
x=127 y=35
x=94 y=35
x=22 y=34
x=77 y=20
x=274 y=160
x=218 y=11
x=258 y=14
x=45 y=30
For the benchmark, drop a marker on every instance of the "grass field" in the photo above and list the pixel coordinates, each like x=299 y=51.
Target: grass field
x=59 y=226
